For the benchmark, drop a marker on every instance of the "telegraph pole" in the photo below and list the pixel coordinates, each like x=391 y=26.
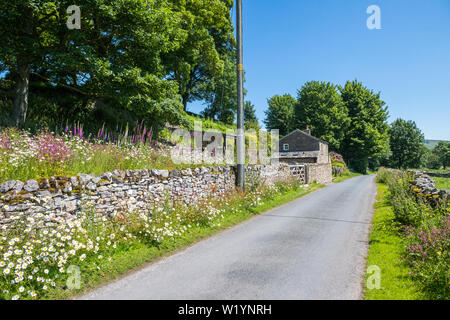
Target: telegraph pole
x=240 y=179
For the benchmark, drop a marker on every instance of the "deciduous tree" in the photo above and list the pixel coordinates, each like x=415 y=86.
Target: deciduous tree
x=442 y=151
x=207 y=41
x=320 y=107
x=220 y=94
x=406 y=142
x=280 y=114
x=367 y=136
x=115 y=57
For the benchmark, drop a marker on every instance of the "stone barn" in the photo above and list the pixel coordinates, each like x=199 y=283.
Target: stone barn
x=301 y=148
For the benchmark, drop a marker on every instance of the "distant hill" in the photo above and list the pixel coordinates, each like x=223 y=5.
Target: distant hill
x=430 y=144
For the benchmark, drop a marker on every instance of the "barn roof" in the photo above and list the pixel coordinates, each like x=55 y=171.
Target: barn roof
x=304 y=133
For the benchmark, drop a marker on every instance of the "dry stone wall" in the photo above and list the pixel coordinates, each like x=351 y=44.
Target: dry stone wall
x=320 y=173
x=425 y=185
x=435 y=174
x=123 y=191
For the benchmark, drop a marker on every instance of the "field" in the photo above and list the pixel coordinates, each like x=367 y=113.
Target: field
x=442 y=183
x=430 y=144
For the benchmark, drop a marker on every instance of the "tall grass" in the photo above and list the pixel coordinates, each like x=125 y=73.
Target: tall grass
x=24 y=156
x=36 y=253
x=426 y=232
x=409 y=208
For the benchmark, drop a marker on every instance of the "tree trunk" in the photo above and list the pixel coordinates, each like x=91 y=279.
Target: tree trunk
x=19 y=114
x=184 y=100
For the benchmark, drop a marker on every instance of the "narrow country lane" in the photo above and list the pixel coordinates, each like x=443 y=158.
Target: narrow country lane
x=312 y=248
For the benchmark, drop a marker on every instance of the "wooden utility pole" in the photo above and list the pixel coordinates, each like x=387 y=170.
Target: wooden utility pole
x=240 y=179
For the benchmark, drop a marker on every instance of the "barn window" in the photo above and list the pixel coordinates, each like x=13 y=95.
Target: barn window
x=286 y=147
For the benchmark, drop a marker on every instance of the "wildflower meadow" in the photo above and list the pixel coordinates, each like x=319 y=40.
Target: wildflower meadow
x=424 y=227
x=38 y=255
x=69 y=152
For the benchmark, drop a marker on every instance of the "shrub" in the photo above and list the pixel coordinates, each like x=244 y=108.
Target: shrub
x=408 y=208
x=339 y=169
x=338 y=164
x=337 y=158
x=427 y=232
x=383 y=175
x=428 y=255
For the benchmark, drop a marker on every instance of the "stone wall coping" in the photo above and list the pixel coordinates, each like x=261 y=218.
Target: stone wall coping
x=83 y=180
x=427 y=185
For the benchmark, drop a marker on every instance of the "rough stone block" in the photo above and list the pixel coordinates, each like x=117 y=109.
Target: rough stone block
x=7 y=186
x=31 y=185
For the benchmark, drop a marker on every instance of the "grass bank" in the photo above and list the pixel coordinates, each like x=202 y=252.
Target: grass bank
x=386 y=251
x=134 y=255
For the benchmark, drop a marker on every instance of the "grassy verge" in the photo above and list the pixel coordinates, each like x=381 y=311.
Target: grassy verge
x=135 y=255
x=386 y=248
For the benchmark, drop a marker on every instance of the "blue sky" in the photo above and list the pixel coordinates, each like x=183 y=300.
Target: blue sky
x=290 y=42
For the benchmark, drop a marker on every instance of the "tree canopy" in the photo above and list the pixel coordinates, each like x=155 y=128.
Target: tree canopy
x=280 y=114
x=249 y=112
x=367 y=136
x=352 y=119
x=220 y=94
x=250 y=118
x=145 y=57
x=320 y=107
x=208 y=44
x=406 y=141
x=442 y=152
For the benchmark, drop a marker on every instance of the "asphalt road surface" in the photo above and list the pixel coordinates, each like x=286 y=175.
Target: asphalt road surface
x=312 y=248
